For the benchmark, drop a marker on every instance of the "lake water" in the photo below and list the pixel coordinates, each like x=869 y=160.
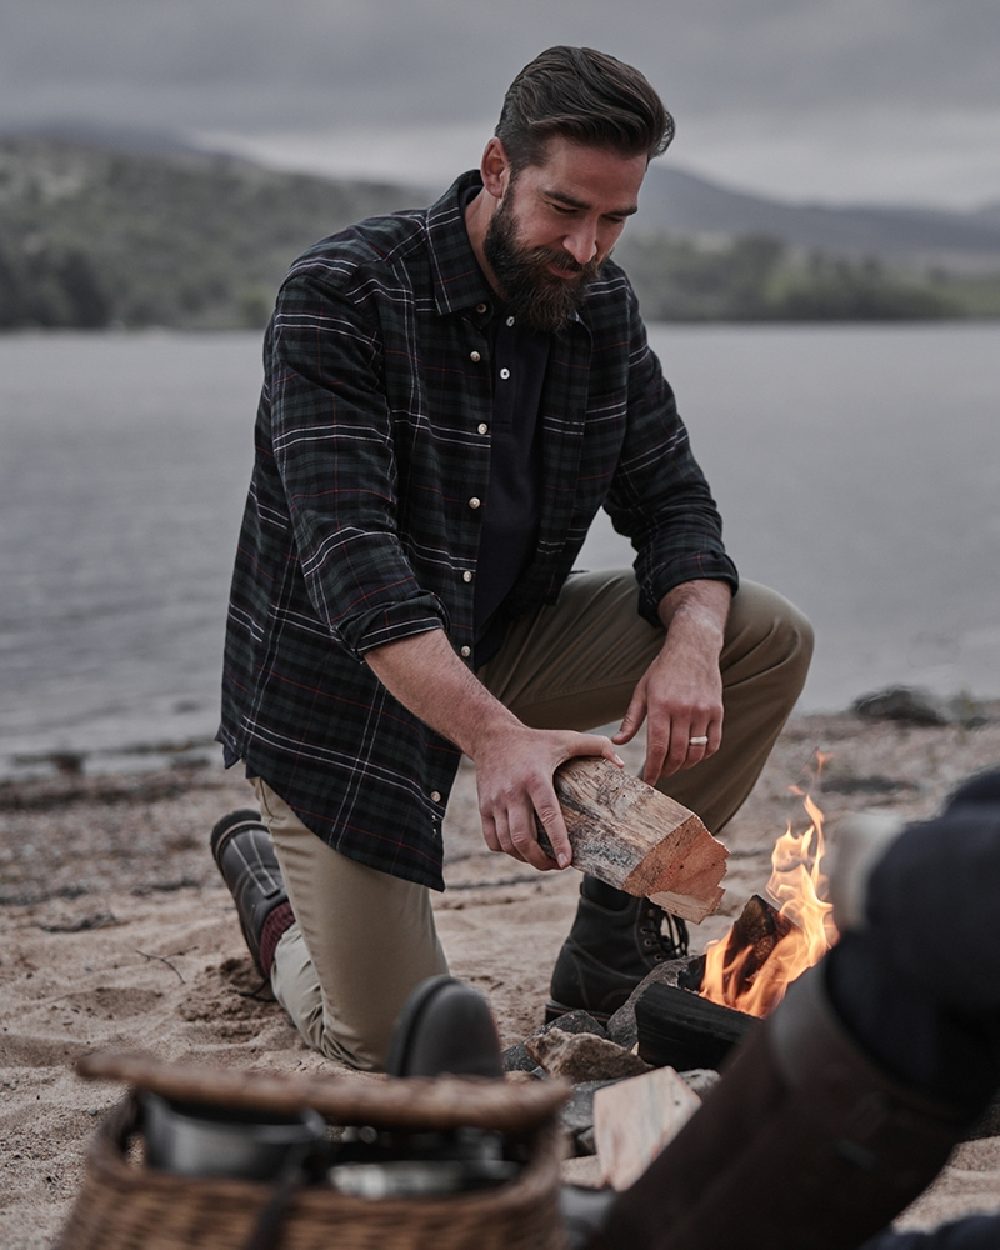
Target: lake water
x=857 y=469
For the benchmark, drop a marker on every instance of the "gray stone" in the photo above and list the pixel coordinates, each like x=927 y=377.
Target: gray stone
x=699 y=1080
x=517 y=1059
x=910 y=705
x=583 y=1057
x=687 y=972
x=578 y=1113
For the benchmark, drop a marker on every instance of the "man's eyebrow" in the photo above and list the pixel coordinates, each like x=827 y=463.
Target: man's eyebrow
x=571 y=202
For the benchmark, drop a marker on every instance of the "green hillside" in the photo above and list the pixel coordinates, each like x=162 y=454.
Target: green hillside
x=96 y=238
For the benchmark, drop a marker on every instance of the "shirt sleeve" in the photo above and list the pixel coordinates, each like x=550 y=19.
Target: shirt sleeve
x=332 y=441
x=659 y=497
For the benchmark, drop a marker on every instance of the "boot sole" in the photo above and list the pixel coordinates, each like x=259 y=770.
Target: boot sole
x=553 y=1010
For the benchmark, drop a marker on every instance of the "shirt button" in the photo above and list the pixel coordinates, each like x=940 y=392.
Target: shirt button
x=475 y=357
x=510 y=321
x=474 y=503
x=465 y=652
x=482 y=427
x=466 y=576
x=480 y=308
x=435 y=796
x=504 y=374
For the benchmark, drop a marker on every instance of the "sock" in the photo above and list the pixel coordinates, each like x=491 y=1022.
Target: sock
x=276 y=924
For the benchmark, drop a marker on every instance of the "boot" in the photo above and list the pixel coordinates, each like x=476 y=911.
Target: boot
x=616 y=939
x=803 y=1143
x=244 y=854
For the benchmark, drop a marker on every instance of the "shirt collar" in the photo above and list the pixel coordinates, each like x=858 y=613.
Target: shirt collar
x=459 y=283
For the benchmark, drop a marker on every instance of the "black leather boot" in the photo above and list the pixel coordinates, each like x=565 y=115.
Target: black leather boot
x=803 y=1143
x=616 y=939
x=244 y=854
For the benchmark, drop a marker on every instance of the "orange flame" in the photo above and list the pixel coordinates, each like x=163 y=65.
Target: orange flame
x=798 y=887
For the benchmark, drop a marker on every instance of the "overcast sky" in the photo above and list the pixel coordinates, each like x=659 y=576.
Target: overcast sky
x=840 y=100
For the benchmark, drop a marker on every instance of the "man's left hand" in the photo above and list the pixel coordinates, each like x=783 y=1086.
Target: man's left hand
x=680 y=694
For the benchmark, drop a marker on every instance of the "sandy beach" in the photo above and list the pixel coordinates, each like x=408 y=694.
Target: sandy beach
x=118 y=932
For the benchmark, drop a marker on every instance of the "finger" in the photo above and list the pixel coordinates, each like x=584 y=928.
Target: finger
x=504 y=834
x=490 y=832
x=592 y=744
x=546 y=805
x=697 y=747
x=522 y=826
x=658 y=735
x=632 y=720
x=714 y=735
x=680 y=744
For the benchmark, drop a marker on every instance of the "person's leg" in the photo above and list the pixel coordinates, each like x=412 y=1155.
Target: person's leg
x=360 y=942
x=575 y=665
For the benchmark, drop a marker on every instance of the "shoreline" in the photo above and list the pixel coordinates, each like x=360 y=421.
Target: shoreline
x=121 y=935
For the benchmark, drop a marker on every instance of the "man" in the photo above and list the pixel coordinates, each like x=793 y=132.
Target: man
x=450 y=395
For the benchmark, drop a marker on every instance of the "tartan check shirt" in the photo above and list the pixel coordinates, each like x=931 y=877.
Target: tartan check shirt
x=363 y=515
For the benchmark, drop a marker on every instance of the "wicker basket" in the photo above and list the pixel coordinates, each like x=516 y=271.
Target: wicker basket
x=125 y=1206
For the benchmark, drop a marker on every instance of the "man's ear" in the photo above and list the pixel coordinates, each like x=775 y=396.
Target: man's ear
x=495 y=169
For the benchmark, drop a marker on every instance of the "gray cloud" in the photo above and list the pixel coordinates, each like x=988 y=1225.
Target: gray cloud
x=767 y=72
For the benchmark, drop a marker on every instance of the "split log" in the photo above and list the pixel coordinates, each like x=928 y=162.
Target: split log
x=634 y=1120
x=681 y=1029
x=638 y=840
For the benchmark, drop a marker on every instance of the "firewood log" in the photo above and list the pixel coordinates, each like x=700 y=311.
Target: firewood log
x=638 y=840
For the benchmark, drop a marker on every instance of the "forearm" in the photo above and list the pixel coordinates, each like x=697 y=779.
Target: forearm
x=696 y=612
x=428 y=678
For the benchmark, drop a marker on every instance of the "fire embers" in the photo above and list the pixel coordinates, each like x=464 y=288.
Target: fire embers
x=767 y=948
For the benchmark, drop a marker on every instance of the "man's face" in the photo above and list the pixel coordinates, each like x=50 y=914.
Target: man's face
x=556 y=225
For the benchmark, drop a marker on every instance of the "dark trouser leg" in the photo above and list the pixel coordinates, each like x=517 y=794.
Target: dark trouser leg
x=574 y=666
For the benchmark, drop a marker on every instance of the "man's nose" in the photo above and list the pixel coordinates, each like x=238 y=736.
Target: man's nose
x=581 y=243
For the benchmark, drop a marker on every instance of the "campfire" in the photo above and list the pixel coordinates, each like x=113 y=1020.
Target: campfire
x=768 y=947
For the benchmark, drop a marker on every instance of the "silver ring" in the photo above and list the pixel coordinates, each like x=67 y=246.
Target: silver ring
x=701 y=740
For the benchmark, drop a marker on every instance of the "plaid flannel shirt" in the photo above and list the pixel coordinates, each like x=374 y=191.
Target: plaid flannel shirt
x=363 y=512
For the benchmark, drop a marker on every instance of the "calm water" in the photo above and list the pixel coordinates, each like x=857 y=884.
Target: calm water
x=857 y=468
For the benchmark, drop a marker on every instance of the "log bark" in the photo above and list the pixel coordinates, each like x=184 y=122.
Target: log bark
x=634 y=1120
x=638 y=840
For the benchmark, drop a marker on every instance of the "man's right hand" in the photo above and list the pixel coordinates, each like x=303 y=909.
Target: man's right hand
x=514 y=764
x=514 y=770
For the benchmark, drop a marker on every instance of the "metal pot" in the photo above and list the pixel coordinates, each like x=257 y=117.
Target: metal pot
x=201 y=1139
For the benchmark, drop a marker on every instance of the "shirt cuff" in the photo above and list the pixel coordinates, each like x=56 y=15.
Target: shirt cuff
x=700 y=566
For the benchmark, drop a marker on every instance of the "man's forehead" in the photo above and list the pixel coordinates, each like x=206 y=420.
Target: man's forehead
x=585 y=177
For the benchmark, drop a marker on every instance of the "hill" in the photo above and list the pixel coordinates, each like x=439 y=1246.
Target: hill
x=131 y=230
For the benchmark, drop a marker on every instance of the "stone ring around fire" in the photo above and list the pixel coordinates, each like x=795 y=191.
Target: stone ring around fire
x=700 y=740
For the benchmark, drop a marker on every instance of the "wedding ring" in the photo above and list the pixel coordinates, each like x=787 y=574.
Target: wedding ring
x=701 y=740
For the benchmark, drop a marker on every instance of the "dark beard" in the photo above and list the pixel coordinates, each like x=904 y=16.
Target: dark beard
x=530 y=292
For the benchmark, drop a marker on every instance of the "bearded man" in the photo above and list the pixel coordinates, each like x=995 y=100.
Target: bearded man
x=450 y=395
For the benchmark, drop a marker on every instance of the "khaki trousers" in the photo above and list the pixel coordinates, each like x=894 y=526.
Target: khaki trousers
x=363 y=939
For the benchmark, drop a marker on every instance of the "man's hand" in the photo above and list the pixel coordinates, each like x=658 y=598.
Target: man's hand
x=514 y=770
x=514 y=764
x=680 y=694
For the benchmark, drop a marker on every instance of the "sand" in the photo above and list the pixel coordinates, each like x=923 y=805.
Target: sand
x=117 y=931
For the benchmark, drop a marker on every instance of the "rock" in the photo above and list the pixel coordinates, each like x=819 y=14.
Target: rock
x=909 y=705
x=699 y=1080
x=875 y=784
x=686 y=972
x=583 y=1056
x=517 y=1059
x=578 y=1112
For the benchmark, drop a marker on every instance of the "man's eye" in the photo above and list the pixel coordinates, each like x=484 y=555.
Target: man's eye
x=562 y=210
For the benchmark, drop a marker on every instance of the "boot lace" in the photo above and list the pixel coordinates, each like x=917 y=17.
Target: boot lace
x=663 y=935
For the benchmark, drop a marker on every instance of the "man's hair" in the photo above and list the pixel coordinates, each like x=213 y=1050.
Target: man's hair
x=586 y=96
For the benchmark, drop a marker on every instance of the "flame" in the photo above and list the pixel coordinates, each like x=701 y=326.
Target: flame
x=743 y=979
